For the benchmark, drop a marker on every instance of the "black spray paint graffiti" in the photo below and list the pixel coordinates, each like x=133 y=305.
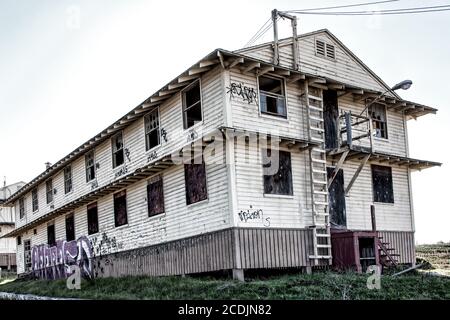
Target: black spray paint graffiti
x=152 y=156
x=192 y=135
x=94 y=185
x=164 y=134
x=246 y=93
x=105 y=249
x=254 y=214
x=121 y=172
x=127 y=154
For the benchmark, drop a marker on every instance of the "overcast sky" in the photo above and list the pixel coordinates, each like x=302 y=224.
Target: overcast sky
x=68 y=69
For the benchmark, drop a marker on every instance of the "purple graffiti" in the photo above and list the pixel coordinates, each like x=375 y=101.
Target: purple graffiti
x=53 y=262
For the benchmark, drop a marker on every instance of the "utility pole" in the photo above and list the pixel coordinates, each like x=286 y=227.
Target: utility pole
x=295 y=48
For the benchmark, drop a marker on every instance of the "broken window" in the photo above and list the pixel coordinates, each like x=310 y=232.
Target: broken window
x=383 y=190
x=92 y=217
x=271 y=96
x=70 y=227
x=90 y=165
x=67 y=179
x=378 y=114
x=192 y=105
x=51 y=238
x=152 y=134
x=120 y=208
x=21 y=208
x=195 y=182
x=19 y=240
x=34 y=200
x=27 y=254
x=49 y=190
x=155 y=196
x=280 y=182
x=117 y=150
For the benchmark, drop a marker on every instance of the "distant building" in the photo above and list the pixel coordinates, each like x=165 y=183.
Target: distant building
x=7 y=218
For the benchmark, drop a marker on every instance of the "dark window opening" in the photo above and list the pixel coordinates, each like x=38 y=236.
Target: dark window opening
x=383 y=190
x=271 y=96
x=21 y=208
x=192 y=106
x=19 y=240
x=67 y=179
x=90 y=166
x=280 y=182
x=70 y=228
x=120 y=208
x=49 y=190
x=51 y=238
x=152 y=134
x=92 y=217
x=34 y=200
x=27 y=254
x=366 y=252
x=379 y=124
x=117 y=150
x=195 y=182
x=155 y=197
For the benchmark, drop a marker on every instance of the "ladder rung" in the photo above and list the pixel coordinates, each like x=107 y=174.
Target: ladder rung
x=320 y=192
x=316 y=109
x=322 y=214
x=324 y=246
x=319 y=181
x=320 y=257
x=318 y=150
x=323 y=235
x=318 y=160
x=317 y=129
x=321 y=203
x=316 y=119
x=315 y=98
x=317 y=139
x=319 y=171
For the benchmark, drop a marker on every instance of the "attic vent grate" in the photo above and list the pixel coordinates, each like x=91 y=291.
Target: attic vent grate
x=320 y=48
x=330 y=51
x=325 y=49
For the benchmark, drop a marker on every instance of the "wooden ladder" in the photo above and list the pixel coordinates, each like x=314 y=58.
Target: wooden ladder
x=388 y=256
x=318 y=176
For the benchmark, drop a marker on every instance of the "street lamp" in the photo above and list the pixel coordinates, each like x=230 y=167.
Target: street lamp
x=404 y=85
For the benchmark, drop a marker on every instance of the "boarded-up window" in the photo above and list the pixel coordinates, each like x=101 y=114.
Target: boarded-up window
x=155 y=196
x=120 y=208
x=152 y=135
x=281 y=181
x=90 y=165
x=271 y=96
x=49 y=190
x=70 y=228
x=195 y=182
x=51 y=238
x=67 y=179
x=117 y=150
x=383 y=190
x=378 y=114
x=192 y=105
x=92 y=217
x=21 y=208
x=34 y=200
x=27 y=254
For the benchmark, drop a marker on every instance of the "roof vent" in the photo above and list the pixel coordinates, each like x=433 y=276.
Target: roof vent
x=330 y=51
x=325 y=49
x=320 y=48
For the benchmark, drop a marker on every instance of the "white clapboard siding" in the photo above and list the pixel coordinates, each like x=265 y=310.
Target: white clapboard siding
x=396 y=216
x=134 y=140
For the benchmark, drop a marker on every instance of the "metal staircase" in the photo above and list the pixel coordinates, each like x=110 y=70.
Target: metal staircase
x=318 y=176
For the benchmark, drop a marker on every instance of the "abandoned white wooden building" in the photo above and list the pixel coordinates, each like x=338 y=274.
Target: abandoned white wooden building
x=145 y=206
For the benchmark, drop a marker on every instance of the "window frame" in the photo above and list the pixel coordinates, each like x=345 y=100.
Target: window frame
x=385 y=122
x=51 y=244
x=49 y=191
x=183 y=104
x=378 y=201
x=89 y=218
x=157 y=129
x=283 y=195
x=21 y=208
x=273 y=95
x=186 y=184
x=117 y=194
x=154 y=180
x=87 y=167
x=68 y=179
x=34 y=200
x=114 y=164
x=70 y=216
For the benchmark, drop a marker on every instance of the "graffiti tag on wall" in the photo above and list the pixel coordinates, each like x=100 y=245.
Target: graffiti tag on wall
x=254 y=214
x=53 y=262
x=239 y=89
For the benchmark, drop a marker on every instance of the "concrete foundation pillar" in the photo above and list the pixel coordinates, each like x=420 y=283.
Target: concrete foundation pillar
x=238 y=274
x=308 y=270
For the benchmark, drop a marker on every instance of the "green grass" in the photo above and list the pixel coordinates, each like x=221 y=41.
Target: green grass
x=320 y=285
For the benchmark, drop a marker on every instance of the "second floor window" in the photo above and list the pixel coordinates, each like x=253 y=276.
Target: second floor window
x=70 y=227
x=120 y=208
x=92 y=217
x=192 y=105
x=90 y=165
x=272 y=99
x=117 y=150
x=21 y=208
x=49 y=190
x=379 y=124
x=34 y=200
x=68 y=179
x=152 y=135
x=51 y=238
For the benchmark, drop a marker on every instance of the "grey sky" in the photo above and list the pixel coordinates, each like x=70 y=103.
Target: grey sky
x=61 y=83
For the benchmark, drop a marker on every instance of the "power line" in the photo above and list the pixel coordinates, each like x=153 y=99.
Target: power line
x=260 y=33
x=257 y=32
x=380 y=12
x=346 y=6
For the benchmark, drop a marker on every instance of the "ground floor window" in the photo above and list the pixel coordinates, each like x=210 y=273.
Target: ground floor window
x=279 y=182
x=92 y=217
x=383 y=190
x=51 y=238
x=195 y=182
x=70 y=228
x=120 y=208
x=27 y=254
x=155 y=196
